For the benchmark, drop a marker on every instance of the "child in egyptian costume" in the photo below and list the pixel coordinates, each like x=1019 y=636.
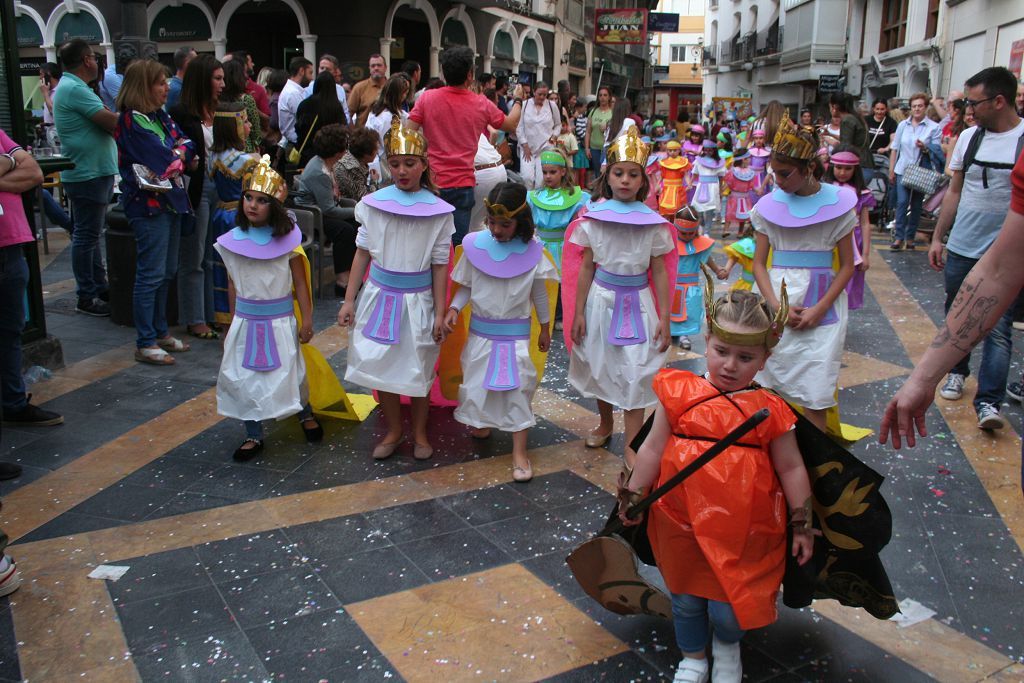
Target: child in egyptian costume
x=404 y=241
x=674 y=170
x=619 y=258
x=554 y=205
x=503 y=274
x=263 y=373
x=694 y=250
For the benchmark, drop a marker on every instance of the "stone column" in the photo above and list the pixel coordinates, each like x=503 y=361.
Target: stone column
x=435 y=67
x=385 y=52
x=308 y=46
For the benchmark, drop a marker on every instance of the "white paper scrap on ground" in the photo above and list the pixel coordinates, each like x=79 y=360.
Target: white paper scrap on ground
x=110 y=572
x=911 y=612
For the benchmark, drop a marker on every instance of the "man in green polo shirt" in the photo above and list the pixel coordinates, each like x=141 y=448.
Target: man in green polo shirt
x=86 y=131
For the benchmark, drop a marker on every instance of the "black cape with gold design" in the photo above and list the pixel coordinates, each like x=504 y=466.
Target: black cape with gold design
x=852 y=516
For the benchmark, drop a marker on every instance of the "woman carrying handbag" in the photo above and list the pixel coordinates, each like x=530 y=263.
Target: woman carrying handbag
x=915 y=150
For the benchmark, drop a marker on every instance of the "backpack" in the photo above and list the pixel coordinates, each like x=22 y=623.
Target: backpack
x=972 y=150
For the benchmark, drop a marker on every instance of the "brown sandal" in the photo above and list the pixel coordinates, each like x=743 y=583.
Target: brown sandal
x=154 y=356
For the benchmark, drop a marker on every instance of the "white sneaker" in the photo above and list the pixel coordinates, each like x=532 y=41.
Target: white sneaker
x=989 y=417
x=728 y=666
x=691 y=671
x=953 y=389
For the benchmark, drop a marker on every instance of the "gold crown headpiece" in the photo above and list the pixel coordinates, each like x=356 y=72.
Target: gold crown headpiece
x=263 y=178
x=629 y=147
x=230 y=114
x=501 y=211
x=789 y=144
x=401 y=140
x=768 y=337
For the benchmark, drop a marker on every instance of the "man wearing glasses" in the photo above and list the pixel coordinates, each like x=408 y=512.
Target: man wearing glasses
x=975 y=206
x=86 y=130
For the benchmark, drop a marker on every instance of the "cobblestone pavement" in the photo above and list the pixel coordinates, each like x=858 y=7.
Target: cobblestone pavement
x=315 y=563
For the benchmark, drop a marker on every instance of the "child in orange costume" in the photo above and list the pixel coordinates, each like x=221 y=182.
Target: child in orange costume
x=674 y=169
x=719 y=538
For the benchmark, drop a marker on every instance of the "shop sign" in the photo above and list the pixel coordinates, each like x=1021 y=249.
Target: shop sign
x=29 y=34
x=661 y=22
x=180 y=24
x=81 y=25
x=831 y=84
x=620 y=26
x=1016 y=57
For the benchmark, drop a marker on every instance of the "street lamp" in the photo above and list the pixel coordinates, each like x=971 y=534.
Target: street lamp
x=698 y=56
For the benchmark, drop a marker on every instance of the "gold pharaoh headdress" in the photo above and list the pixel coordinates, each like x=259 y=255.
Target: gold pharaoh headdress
x=402 y=140
x=501 y=211
x=767 y=337
x=788 y=143
x=263 y=178
x=629 y=147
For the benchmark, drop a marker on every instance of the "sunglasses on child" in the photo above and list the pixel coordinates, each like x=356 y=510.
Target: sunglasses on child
x=258 y=199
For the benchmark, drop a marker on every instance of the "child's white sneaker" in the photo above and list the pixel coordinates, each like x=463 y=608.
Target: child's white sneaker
x=728 y=666
x=691 y=671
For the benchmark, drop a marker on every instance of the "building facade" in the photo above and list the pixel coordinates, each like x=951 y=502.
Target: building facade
x=678 y=76
x=548 y=40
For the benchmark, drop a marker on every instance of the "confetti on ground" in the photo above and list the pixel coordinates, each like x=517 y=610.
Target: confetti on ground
x=110 y=572
x=911 y=612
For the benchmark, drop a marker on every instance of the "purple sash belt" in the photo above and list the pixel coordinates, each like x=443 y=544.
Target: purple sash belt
x=822 y=275
x=742 y=204
x=502 y=369
x=386 y=319
x=261 y=353
x=703 y=191
x=628 y=324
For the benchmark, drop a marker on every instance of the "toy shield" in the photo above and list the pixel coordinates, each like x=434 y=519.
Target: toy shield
x=606 y=568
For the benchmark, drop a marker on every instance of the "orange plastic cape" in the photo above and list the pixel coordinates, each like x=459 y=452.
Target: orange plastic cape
x=572 y=259
x=450 y=363
x=721 y=534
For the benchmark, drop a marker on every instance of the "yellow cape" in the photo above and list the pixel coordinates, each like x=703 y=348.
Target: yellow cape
x=324 y=388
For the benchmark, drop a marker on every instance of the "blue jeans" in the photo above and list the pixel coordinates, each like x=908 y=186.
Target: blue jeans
x=998 y=344
x=691 y=616
x=906 y=226
x=13 y=282
x=89 y=202
x=195 y=271
x=462 y=199
x=596 y=159
x=254 y=428
x=156 y=243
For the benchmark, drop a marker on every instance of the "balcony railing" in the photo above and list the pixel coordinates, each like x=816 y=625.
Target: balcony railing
x=769 y=42
x=710 y=56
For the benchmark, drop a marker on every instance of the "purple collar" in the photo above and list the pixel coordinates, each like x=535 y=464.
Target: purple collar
x=794 y=211
x=501 y=259
x=421 y=203
x=636 y=214
x=259 y=243
x=712 y=164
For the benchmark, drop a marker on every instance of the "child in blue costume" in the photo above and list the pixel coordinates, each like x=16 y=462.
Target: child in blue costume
x=228 y=163
x=687 y=302
x=555 y=205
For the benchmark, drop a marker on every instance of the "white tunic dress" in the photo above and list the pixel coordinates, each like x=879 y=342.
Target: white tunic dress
x=261 y=395
x=498 y=299
x=402 y=244
x=619 y=375
x=804 y=367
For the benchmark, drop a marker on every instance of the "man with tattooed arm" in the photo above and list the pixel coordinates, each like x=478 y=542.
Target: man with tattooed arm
x=987 y=292
x=975 y=206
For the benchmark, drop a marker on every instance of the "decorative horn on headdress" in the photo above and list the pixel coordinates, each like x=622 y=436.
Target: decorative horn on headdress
x=767 y=337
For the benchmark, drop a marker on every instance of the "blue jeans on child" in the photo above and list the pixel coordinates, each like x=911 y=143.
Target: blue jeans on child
x=254 y=428
x=156 y=241
x=998 y=344
x=691 y=616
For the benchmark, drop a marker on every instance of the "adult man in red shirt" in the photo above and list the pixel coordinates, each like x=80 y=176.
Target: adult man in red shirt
x=989 y=289
x=452 y=119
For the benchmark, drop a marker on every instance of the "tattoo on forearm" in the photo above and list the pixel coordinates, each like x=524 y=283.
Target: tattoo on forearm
x=970 y=312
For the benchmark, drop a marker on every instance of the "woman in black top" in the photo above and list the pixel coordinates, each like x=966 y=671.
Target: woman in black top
x=200 y=91
x=320 y=109
x=881 y=127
